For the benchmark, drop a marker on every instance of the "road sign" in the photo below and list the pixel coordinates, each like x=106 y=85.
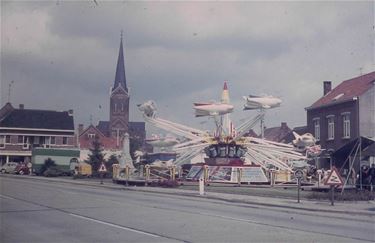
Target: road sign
x=334 y=178
x=102 y=168
x=298 y=174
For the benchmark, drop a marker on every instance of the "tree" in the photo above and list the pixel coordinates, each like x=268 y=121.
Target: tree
x=112 y=160
x=136 y=143
x=96 y=156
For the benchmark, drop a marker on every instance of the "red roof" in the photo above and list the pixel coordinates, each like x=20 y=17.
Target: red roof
x=347 y=90
x=107 y=142
x=276 y=134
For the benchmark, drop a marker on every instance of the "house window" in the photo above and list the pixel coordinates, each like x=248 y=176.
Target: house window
x=331 y=127
x=317 y=128
x=91 y=135
x=20 y=140
x=2 y=141
x=36 y=140
x=7 y=139
x=47 y=141
x=115 y=107
x=25 y=142
x=53 y=140
x=346 y=125
x=65 y=140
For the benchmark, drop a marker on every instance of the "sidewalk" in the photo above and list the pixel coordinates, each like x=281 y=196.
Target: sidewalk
x=364 y=208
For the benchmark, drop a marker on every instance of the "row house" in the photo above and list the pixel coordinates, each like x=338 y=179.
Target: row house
x=22 y=129
x=343 y=118
x=277 y=134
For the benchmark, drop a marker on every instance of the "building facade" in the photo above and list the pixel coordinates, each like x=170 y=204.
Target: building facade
x=277 y=134
x=343 y=115
x=22 y=130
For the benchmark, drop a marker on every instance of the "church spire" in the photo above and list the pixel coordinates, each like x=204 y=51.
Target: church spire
x=120 y=78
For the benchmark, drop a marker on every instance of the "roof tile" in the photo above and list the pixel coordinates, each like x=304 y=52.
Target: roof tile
x=347 y=90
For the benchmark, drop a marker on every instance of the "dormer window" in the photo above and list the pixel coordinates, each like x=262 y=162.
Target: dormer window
x=338 y=97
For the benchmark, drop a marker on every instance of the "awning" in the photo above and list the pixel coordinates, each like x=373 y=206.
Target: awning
x=367 y=148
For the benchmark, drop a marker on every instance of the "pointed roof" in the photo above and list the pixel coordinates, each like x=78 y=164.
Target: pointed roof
x=120 y=78
x=276 y=134
x=346 y=90
x=37 y=119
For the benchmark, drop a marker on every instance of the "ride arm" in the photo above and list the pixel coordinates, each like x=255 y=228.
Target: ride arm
x=261 y=157
x=171 y=127
x=247 y=125
x=189 y=154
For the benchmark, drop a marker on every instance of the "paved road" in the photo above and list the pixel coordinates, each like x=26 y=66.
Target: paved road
x=41 y=211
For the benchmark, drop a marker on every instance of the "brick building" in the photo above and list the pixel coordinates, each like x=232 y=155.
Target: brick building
x=277 y=134
x=344 y=117
x=22 y=129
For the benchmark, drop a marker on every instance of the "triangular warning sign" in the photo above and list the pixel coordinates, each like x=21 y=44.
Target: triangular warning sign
x=334 y=178
x=102 y=168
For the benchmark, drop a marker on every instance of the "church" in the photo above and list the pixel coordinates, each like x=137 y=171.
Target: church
x=110 y=133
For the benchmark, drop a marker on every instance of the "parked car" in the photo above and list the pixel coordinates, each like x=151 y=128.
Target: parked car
x=22 y=169
x=9 y=167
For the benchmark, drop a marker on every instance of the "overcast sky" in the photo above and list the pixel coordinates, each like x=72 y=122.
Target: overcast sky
x=62 y=54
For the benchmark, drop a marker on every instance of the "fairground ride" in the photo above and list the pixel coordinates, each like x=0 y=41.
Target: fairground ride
x=227 y=145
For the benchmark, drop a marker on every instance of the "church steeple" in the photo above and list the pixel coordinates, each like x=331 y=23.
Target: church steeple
x=119 y=101
x=120 y=78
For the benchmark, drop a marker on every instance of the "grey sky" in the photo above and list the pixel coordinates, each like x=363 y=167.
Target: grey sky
x=62 y=55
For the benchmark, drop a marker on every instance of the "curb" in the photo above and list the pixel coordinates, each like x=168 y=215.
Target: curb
x=189 y=193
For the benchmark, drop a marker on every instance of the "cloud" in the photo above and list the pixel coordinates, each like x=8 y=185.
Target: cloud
x=62 y=54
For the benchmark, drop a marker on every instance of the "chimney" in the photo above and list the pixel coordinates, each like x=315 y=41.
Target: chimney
x=22 y=106
x=80 y=129
x=327 y=86
x=70 y=112
x=284 y=125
